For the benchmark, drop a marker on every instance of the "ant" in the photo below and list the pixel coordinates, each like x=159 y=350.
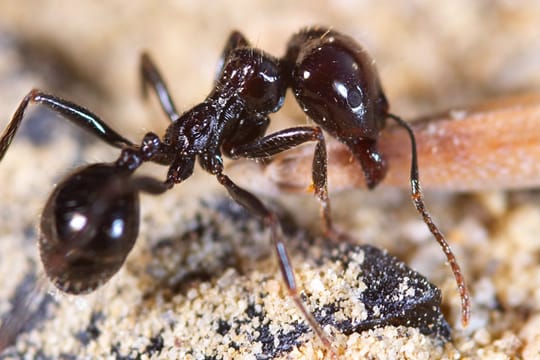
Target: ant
x=90 y=221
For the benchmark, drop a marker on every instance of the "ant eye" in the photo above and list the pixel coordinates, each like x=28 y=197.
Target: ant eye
x=88 y=227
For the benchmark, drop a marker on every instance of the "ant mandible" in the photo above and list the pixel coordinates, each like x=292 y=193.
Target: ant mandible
x=90 y=221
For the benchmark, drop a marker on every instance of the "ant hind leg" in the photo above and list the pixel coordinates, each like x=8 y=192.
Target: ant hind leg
x=72 y=112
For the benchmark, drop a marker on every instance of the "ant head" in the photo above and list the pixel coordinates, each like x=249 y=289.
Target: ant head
x=254 y=76
x=88 y=226
x=336 y=83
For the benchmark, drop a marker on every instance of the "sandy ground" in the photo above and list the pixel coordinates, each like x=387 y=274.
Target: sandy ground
x=178 y=300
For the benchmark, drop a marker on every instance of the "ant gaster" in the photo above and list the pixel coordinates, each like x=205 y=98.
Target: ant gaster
x=90 y=221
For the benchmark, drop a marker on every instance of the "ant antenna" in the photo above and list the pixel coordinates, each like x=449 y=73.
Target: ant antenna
x=418 y=199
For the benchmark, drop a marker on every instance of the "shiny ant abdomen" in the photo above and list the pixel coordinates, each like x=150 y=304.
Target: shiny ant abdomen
x=90 y=221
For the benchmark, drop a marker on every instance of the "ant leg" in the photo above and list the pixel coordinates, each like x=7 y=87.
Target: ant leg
x=72 y=112
x=150 y=76
x=418 y=200
x=253 y=204
x=289 y=138
x=149 y=185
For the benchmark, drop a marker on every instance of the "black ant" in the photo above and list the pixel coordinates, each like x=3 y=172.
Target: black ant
x=90 y=221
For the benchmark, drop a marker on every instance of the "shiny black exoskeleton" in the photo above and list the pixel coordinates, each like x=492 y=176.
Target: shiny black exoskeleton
x=90 y=221
x=78 y=260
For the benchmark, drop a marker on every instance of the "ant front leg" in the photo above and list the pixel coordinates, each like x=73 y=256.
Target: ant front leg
x=72 y=112
x=253 y=204
x=287 y=139
x=150 y=76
